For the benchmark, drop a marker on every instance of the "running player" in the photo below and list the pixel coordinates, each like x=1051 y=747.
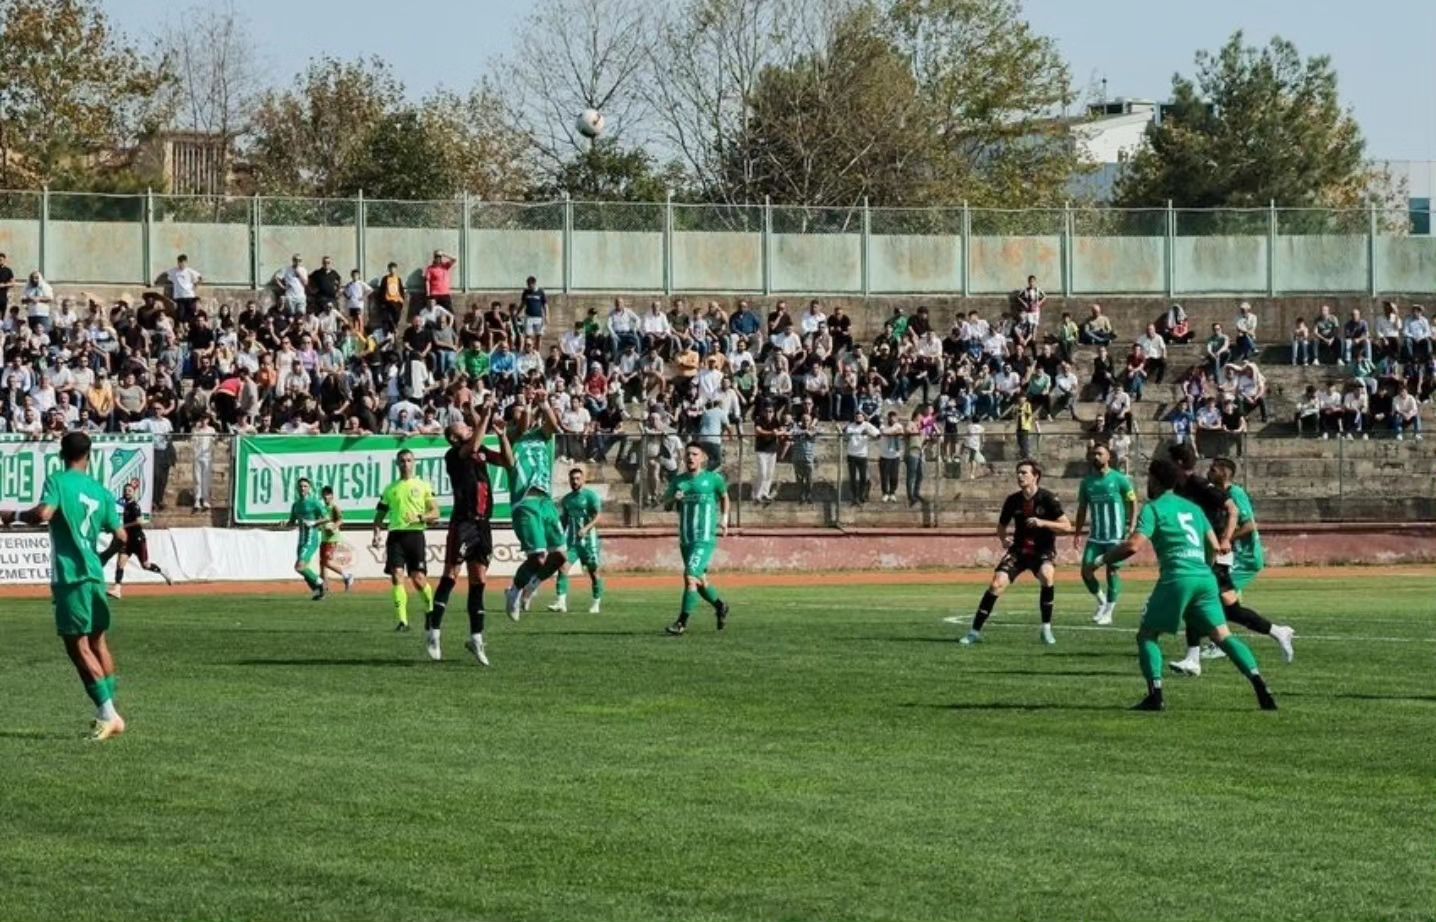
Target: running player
x=331 y=539
x=701 y=496
x=309 y=514
x=78 y=512
x=579 y=511
x=136 y=544
x=1221 y=512
x=1186 y=588
x=1113 y=501
x=405 y=508
x=470 y=541
x=535 y=517
x=1040 y=519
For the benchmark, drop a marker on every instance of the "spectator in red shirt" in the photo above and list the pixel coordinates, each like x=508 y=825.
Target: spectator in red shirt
x=436 y=280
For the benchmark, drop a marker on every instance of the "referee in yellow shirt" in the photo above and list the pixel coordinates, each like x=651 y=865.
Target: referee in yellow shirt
x=406 y=508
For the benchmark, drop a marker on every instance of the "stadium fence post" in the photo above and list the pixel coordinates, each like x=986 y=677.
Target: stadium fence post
x=863 y=255
x=256 y=220
x=1271 y=250
x=44 y=230
x=738 y=497
x=1371 y=248
x=567 y=243
x=640 y=479
x=767 y=256
x=1171 y=250
x=146 y=238
x=359 y=245
x=966 y=249
x=1067 y=257
x=465 y=204
x=668 y=244
x=838 y=457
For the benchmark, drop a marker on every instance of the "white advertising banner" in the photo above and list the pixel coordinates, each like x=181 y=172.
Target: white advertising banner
x=115 y=460
x=230 y=555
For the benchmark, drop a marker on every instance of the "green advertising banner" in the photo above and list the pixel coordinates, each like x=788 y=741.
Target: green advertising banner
x=267 y=469
x=115 y=460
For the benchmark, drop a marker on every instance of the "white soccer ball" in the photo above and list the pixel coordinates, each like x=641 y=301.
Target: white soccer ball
x=590 y=123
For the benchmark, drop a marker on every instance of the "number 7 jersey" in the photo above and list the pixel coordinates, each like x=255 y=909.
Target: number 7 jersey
x=83 y=511
x=1178 y=531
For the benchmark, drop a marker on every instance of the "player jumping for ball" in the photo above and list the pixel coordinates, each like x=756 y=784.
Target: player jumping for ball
x=470 y=541
x=331 y=539
x=1221 y=510
x=1186 y=589
x=1247 y=559
x=535 y=517
x=406 y=507
x=701 y=497
x=309 y=514
x=579 y=511
x=78 y=512
x=1112 y=500
x=136 y=544
x=1039 y=520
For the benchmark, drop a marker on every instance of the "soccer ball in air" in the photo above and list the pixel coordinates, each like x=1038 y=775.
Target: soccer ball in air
x=590 y=123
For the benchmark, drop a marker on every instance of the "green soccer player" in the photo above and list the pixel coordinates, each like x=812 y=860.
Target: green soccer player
x=1113 y=502
x=535 y=516
x=580 y=511
x=1186 y=588
x=309 y=513
x=406 y=507
x=78 y=512
x=1247 y=560
x=701 y=496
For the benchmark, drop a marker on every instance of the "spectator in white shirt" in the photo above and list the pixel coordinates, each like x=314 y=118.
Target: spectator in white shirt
x=1332 y=412
x=1405 y=414
x=812 y=318
x=38 y=296
x=1418 y=336
x=623 y=326
x=710 y=381
x=356 y=299
x=1251 y=389
x=857 y=435
x=1246 y=323
x=293 y=282
x=1308 y=411
x=1154 y=347
x=657 y=332
x=1387 y=330
x=184 y=288
x=575 y=421
x=1353 y=406
x=1303 y=344
x=1119 y=411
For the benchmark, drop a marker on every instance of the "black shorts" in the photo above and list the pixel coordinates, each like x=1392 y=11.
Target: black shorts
x=1015 y=563
x=407 y=551
x=136 y=545
x=1223 y=573
x=470 y=541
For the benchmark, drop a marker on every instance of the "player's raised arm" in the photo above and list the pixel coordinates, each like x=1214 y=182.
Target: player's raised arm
x=550 y=418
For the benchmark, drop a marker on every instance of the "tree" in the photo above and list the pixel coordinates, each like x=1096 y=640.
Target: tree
x=484 y=153
x=610 y=172
x=574 y=55
x=994 y=91
x=216 y=75
x=74 y=94
x=314 y=137
x=1254 y=125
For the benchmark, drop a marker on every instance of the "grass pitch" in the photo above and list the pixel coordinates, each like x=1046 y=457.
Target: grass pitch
x=833 y=755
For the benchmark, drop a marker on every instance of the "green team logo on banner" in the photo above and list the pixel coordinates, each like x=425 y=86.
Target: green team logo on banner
x=267 y=470
x=115 y=460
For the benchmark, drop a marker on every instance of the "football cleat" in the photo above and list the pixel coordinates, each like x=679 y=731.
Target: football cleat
x=560 y=603
x=511 y=603
x=970 y=638
x=596 y=607
x=477 y=648
x=722 y=614
x=1153 y=702
x=1283 y=635
x=676 y=628
x=1191 y=667
x=107 y=729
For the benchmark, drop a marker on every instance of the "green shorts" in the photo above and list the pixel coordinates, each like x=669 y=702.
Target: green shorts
x=587 y=554
x=81 y=608
x=1196 y=600
x=1092 y=552
x=696 y=559
x=307 y=545
x=1241 y=577
x=537 y=527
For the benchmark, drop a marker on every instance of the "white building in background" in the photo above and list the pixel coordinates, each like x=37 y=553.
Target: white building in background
x=1420 y=179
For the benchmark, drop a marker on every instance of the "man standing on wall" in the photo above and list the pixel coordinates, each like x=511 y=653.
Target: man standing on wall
x=184 y=284
x=535 y=310
x=438 y=275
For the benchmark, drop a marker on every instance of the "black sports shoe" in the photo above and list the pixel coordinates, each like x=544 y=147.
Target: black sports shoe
x=401 y=628
x=722 y=612
x=676 y=628
x=1265 y=700
x=319 y=594
x=1153 y=702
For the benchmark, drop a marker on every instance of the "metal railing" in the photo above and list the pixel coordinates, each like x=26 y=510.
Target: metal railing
x=571 y=245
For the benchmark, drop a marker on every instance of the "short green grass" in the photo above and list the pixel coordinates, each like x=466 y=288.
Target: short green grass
x=833 y=755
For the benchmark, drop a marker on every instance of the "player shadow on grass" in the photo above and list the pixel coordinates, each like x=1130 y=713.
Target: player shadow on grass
x=1052 y=673
x=35 y=735
x=329 y=661
x=1362 y=696
x=1015 y=706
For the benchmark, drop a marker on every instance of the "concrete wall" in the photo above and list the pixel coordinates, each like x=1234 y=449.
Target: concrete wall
x=1212 y=264
x=411 y=248
x=717 y=261
x=1000 y=264
x=219 y=251
x=278 y=243
x=1329 y=262
x=914 y=263
x=616 y=260
x=94 y=251
x=1129 y=265
x=20 y=241
x=817 y=262
x=1406 y=264
x=503 y=259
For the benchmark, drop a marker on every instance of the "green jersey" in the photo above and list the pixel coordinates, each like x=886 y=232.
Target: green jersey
x=1106 y=497
x=83 y=511
x=1248 y=550
x=579 y=508
x=1178 y=531
x=407 y=502
x=700 y=507
x=533 y=464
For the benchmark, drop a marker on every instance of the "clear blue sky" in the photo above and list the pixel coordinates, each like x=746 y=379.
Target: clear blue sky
x=1384 y=50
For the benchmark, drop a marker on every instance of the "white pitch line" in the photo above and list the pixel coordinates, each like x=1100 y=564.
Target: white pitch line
x=964 y=619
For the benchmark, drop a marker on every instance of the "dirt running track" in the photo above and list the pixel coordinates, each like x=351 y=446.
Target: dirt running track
x=746 y=580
